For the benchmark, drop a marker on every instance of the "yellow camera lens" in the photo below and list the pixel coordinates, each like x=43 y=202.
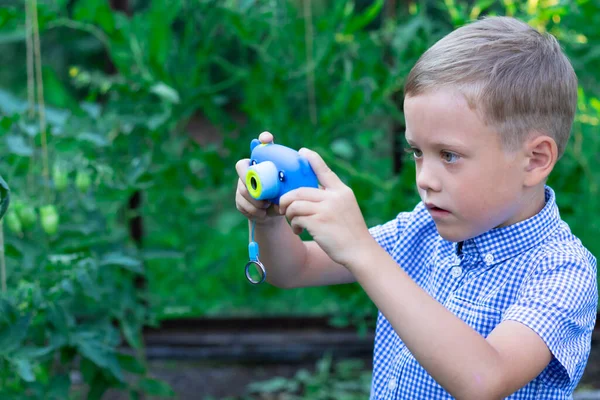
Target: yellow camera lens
x=253 y=184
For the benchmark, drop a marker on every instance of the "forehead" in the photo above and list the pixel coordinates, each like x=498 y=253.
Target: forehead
x=444 y=116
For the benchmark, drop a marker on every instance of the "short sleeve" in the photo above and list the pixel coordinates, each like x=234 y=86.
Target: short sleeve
x=559 y=303
x=387 y=235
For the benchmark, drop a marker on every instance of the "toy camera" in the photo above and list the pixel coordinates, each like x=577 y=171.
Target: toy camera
x=275 y=170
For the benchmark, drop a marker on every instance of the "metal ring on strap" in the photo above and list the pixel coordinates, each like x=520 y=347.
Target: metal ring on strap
x=261 y=270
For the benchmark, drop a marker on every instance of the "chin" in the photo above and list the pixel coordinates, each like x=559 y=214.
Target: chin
x=454 y=235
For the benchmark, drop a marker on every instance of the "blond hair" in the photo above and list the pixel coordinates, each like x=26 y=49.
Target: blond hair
x=516 y=78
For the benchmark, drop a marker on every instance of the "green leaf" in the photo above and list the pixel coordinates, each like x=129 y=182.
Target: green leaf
x=130 y=363
x=93 y=138
x=360 y=21
x=272 y=385
x=13 y=36
x=155 y=387
x=161 y=16
x=4 y=197
x=17 y=145
x=167 y=9
x=59 y=387
x=165 y=92
x=342 y=148
x=12 y=336
x=88 y=369
x=126 y=262
x=10 y=104
x=131 y=331
x=97 y=352
x=23 y=367
x=161 y=254
x=95 y=11
x=87 y=285
x=56 y=92
x=138 y=167
x=33 y=353
x=98 y=386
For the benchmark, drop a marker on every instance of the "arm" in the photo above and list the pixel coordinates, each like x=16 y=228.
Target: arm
x=290 y=262
x=464 y=363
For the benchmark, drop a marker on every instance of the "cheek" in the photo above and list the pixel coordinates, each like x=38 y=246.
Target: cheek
x=483 y=190
x=490 y=194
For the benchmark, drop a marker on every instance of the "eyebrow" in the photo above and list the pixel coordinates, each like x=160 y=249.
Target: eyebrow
x=439 y=144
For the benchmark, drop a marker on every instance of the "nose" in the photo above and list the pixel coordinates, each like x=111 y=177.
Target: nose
x=427 y=177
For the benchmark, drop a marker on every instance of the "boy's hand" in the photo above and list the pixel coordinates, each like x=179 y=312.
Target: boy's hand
x=331 y=215
x=260 y=211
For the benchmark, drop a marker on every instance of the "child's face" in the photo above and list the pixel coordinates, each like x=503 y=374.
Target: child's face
x=470 y=183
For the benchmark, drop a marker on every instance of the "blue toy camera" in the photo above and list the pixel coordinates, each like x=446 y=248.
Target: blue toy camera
x=275 y=170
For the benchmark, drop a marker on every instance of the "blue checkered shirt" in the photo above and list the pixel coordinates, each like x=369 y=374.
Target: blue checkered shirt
x=535 y=272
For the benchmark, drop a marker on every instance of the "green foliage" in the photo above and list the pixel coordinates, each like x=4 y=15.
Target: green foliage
x=124 y=96
x=71 y=300
x=344 y=380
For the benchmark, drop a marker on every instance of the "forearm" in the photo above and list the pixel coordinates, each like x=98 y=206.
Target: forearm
x=281 y=251
x=454 y=354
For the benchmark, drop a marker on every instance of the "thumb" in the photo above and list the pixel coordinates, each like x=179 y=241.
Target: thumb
x=325 y=175
x=241 y=167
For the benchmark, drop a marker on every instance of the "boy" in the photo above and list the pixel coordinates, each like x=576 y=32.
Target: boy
x=483 y=291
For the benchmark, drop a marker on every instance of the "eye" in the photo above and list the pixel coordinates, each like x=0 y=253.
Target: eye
x=253 y=162
x=450 y=157
x=281 y=176
x=416 y=153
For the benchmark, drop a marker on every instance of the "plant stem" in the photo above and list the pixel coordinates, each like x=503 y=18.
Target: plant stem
x=2 y=259
x=40 y=92
x=30 y=84
x=310 y=76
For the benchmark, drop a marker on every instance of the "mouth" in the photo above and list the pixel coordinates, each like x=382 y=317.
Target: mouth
x=435 y=210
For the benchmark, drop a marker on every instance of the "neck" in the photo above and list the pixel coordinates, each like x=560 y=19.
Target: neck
x=534 y=200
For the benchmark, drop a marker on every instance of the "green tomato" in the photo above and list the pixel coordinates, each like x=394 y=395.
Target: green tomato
x=60 y=177
x=49 y=219
x=83 y=180
x=27 y=215
x=13 y=222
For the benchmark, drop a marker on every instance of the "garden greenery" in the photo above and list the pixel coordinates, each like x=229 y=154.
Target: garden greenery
x=161 y=101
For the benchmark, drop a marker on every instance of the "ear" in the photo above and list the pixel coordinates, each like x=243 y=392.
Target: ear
x=253 y=144
x=541 y=154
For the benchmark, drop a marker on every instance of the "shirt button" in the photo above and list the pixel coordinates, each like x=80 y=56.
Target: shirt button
x=392 y=384
x=456 y=271
x=455 y=259
x=489 y=258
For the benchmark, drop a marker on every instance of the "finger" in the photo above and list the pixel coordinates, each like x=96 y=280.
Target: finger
x=243 y=190
x=273 y=211
x=241 y=167
x=297 y=225
x=266 y=137
x=300 y=208
x=304 y=193
x=325 y=175
x=248 y=209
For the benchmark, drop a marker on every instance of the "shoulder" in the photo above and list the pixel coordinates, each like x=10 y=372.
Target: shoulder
x=563 y=249
x=559 y=301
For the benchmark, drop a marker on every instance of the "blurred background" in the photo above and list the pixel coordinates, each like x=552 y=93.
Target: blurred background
x=120 y=125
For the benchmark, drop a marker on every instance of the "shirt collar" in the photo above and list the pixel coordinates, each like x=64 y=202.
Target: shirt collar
x=500 y=244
